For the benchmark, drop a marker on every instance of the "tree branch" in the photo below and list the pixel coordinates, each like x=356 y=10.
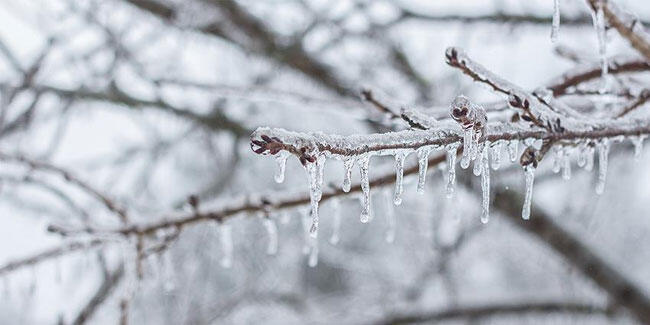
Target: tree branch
x=622 y=291
x=497 y=309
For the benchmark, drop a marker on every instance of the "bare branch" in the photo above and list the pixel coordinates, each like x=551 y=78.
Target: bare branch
x=69 y=177
x=49 y=254
x=111 y=280
x=497 y=309
x=621 y=290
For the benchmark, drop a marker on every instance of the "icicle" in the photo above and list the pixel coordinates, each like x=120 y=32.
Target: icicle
x=582 y=155
x=423 y=162
x=285 y=217
x=225 y=236
x=477 y=164
x=272 y=232
x=399 y=172
x=390 y=218
x=281 y=161
x=485 y=183
x=468 y=141
x=452 y=151
x=364 y=163
x=528 y=197
x=589 y=165
x=496 y=155
x=513 y=150
x=603 y=152
x=336 y=228
x=315 y=172
x=347 y=178
x=556 y=21
x=557 y=159
x=313 y=253
x=566 y=166
x=599 y=25
x=638 y=146
x=169 y=276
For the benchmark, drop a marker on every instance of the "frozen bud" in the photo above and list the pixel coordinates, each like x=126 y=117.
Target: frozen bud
x=468 y=114
x=530 y=156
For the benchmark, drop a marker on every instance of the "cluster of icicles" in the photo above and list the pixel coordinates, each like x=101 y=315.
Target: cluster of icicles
x=485 y=156
x=598 y=19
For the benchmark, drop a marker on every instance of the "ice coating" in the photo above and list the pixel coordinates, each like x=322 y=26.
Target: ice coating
x=452 y=151
x=496 y=155
x=399 y=177
x=556 y=21
x=529 y=175
x=603 y=152
x=485 y=184
x=281 y=161
x=347 y=177
x=423 y=162
x=513 y=150
x=365 y=188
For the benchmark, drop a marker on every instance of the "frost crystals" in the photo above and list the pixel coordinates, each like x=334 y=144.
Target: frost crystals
x=603 y=152
x=529 y=171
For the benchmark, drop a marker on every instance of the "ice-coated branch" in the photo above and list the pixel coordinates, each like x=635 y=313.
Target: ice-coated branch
x=307 y=146
x=627 y=25
x=539 y=111
x=497 y=309
x=70 y=178
x=49 y=255
x=642 y=99
x=570 y=79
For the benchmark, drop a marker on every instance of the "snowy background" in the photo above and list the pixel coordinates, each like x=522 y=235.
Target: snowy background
x=109 y=103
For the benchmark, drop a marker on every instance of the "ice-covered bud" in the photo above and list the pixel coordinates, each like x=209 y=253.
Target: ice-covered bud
x=529 y=157
x=468 y=114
